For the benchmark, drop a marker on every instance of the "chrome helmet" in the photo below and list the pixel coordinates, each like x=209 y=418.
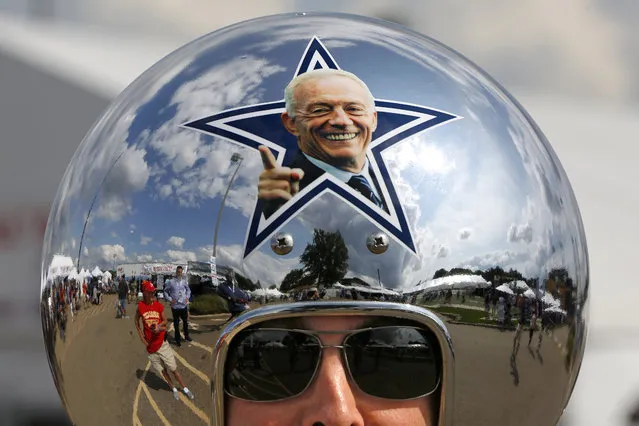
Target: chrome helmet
x=371 y=229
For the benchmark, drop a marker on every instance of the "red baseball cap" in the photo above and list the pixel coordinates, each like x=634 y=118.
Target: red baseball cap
x=147 y=286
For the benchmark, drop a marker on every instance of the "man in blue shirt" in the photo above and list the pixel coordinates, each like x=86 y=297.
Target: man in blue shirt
x=178 y=294
x=235 y=297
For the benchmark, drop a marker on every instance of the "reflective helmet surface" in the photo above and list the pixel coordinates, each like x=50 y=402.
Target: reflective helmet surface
x=394 y=178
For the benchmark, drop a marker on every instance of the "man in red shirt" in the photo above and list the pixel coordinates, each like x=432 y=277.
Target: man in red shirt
x=154 y=328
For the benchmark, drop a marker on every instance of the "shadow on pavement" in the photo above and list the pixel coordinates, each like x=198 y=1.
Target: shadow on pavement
x=152 y=380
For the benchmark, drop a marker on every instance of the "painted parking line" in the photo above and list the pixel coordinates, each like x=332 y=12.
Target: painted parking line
x=138 y=391
x=155 y=405
x=170 y=329
x=198 y=412
x=142 y=388
x=201 y=346
x=192 y=369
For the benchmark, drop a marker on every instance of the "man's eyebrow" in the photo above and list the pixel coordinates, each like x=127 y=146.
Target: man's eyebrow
x=330 y=105
x=316 y=104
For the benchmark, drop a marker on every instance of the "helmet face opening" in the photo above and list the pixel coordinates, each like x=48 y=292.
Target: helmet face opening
x=311 y=173
x=389 y=352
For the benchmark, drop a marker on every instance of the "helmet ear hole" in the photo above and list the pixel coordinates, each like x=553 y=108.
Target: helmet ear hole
x=312 y=173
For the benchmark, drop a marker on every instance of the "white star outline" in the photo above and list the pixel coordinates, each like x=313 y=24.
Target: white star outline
x=260 y=229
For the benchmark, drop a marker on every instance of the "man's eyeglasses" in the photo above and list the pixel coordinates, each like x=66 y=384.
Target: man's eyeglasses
x=273 y=364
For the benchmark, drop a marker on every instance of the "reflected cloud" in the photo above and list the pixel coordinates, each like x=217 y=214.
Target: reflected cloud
x=128 y=176
x=181 y=256
x=465 y=233
x=518 y=233
x=177 y=242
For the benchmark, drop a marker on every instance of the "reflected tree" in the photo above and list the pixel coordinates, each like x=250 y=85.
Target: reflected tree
x=291 y=280
x=325 y=260
x=245 y=283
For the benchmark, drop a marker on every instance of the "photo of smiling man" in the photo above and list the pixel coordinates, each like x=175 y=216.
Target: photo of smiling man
x=332 y=115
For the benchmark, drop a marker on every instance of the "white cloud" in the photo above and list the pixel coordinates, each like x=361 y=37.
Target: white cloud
x=129 y=175
x=144 y=258
x=114 y=235
x=440 y=251
x=145 y=240
x=174 y=241
x=181 y=256
x=465 y=233
x=165 y=190
x=496 y=258
x=111 y=252
x=517 y=233
x=421 y=153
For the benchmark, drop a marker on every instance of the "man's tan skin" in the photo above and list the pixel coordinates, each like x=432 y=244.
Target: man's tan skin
x=333 y=117
x=331 y=400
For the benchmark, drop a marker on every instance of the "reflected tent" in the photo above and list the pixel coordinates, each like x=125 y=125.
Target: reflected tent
x=505 y=289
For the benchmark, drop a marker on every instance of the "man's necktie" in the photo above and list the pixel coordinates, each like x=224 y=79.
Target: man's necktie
x=361 y=185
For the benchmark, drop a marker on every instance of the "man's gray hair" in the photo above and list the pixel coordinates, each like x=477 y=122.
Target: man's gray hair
x=289 y=91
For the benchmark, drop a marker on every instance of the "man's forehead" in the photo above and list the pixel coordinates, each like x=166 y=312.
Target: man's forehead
x=317 y=89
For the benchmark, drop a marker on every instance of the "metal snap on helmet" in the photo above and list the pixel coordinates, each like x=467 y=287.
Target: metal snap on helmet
x=394 y=237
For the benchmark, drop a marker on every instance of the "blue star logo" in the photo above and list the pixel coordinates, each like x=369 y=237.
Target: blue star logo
x=256 y=125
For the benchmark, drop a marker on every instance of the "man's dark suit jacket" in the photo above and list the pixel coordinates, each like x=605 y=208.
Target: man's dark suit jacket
x=311 y=172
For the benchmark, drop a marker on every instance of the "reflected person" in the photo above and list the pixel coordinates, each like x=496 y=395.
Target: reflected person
x=178 y=294
x=151 y=313
x=235 y=297
x=332 y=114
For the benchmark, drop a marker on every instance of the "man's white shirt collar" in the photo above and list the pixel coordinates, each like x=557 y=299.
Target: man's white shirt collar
x=343 y=175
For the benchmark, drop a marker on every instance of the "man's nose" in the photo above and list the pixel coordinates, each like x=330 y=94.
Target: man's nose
x=330 y=397
x=340 y=117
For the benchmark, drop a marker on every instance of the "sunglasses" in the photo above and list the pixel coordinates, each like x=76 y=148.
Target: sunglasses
x=274 y=364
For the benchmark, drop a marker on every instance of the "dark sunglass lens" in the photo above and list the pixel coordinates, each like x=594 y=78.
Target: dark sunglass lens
x=393 y=362
x=268 y=365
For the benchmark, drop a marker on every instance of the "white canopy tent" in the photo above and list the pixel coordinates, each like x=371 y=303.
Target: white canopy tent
x=364 y=289
x=505 y=289
x=452 y=282
x=549 y=300
x=530 y=294
x=60 y=266
x=73 y=275
x=518 y=285
x=556 y=310
x=271 y=292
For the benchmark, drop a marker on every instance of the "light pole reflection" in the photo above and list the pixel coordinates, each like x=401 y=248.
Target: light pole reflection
x=235 y=158
x=86 y=221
